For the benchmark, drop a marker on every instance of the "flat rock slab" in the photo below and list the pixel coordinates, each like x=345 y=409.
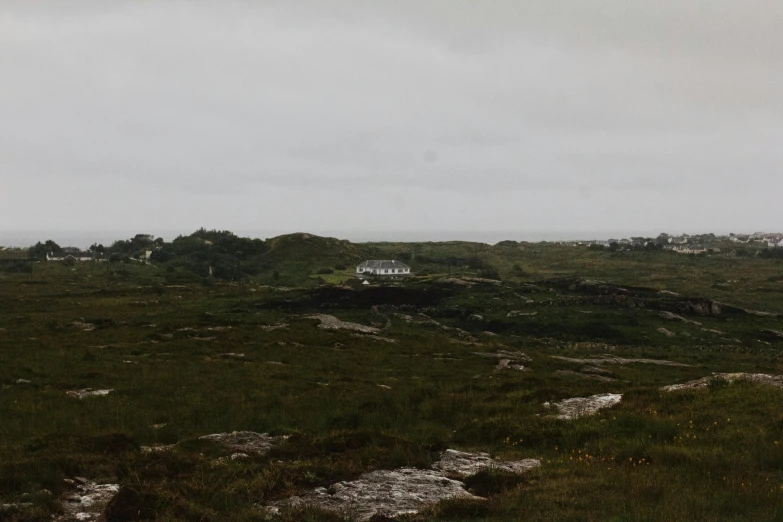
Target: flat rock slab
x=88 y=502
x=329 y=322
x=270 y=327
x=674 y=317
x=482 y=280
x=586 y=375
x=231 y=458
x=376 y=338
x=520 y=313
x=506 y=354
x=385 y=493
x=594 y=369
x=506 y=364
x=245 y=441
x=14 y=508
x=761 y=378
x=87 y=327
x=232 y=355
x=582 y=406
x=88 y=392
x=456 y=281
x=610 y=359
x=667 y=333
x=464 y=464
x=157 y=449
x=403 y=491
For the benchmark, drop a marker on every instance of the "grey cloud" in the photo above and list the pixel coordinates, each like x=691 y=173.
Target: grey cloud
x=515 y=109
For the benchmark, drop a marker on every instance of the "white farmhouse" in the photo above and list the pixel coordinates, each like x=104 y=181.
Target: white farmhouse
x=382 y=268
x=69 y=257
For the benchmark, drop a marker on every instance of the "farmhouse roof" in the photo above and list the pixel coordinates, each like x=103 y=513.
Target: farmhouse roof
x=383 y=263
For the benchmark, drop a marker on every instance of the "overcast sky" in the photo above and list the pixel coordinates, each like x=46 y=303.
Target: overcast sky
x=380 y=116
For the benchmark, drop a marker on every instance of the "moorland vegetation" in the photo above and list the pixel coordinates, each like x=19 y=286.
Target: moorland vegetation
x=474 y=352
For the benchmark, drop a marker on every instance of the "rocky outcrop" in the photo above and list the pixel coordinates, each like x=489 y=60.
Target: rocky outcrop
x=248 y=442
x=507 y=359
x=84 y=326
x=87 y=392
x=576 y=407
x=232 y=355
x=88 y=501
x=586 y=375
x=520 y=313
x=456 y=281
x=271 y=327
x=761 y=378
x=506 y=364
x=386 y=493
x=667 y=333
x=383 y=493
x=157 y=448
x=463 y=464
x=702 y=306
x=641 y=297
x=610 y=359
x=674 y=317
x=775 y=334
x=329 y=322
x=506 y=354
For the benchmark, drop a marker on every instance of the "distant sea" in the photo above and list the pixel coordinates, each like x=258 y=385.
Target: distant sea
x=84 y=239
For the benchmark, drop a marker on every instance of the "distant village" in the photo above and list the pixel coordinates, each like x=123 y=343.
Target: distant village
x=690 y=244
x=141 y=248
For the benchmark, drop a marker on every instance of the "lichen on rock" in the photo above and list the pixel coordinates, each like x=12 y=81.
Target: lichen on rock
x=611 y=359
x=385 y=493
x=403 y=491
x=761 y=378
x=330 y=322
x=464 y=464
x=245 y=441
x=87 y=392
x=88 y=501
x=576 y=407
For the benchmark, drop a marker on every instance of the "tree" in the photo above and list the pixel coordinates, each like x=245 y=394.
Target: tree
x=97 y=250
x=39 y=250
x=131 y=247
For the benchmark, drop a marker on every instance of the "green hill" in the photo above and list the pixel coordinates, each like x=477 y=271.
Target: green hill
x=297 y=257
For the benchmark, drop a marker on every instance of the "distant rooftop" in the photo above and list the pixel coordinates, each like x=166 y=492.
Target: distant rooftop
x=383 y=263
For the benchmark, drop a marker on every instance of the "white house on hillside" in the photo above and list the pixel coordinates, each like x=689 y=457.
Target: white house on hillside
x=69 y=257
x=383 y=267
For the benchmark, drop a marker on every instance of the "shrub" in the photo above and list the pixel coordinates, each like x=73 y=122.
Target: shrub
x=489 y=273
x=17 y=265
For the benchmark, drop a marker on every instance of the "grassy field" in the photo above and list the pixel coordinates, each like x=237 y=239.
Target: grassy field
x=352 y=403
